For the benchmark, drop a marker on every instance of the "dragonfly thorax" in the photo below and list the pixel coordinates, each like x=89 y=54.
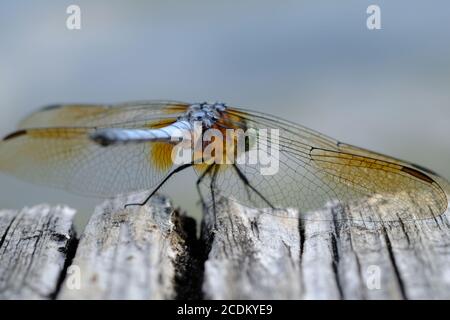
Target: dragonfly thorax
x=207 y=113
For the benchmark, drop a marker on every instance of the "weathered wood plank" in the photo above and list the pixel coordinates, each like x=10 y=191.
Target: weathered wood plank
x=151 y=252
x=132 y=253
x=255 y=255
x=380 y=260
x=252 y=255
x=34 y=243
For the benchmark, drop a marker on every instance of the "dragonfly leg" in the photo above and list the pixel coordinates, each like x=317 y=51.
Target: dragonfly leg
x=180 y=168
x=248 y=185
x=199 y=180
x=212 y=186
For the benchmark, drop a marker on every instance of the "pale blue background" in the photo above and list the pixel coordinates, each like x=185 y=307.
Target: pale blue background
x=313 y=62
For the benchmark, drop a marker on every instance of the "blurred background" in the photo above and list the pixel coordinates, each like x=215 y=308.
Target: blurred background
x=312 y=62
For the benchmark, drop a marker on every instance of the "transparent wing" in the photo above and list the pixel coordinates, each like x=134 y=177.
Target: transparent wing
x=85 y=115
x=315 y=170
x=57 y=151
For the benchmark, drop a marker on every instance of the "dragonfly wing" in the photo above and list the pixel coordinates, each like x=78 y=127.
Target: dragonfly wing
x=67 y=158
x=52 y=147
x=315 y=170
x=84 y=115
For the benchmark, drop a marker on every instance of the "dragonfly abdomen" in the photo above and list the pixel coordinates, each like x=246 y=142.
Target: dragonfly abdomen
x=171 y=133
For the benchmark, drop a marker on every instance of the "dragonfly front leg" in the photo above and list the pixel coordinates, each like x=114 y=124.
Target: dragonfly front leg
x=180 y=168
x=247 y=184
x=213 y=196
x=199 y=181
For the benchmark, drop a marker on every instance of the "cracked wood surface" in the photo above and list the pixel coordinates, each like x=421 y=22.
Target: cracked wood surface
x=151 y=252
x=254 y=255
x=128 y=253
x=33 y=247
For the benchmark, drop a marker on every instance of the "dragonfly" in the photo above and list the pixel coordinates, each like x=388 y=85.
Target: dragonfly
x=105 y=150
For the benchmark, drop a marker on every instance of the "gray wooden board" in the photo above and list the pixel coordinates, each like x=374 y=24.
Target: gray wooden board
x=127 y=253
x=149 y=253
x=256 y=255
x=33 y=249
